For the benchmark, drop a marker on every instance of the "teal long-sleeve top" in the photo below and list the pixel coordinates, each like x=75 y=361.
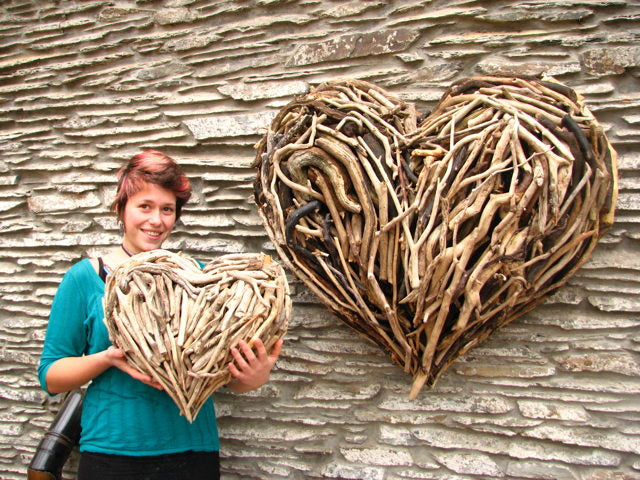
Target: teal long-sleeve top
x=120 y=415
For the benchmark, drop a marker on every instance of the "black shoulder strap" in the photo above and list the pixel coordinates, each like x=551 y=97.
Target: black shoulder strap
x=101 y=270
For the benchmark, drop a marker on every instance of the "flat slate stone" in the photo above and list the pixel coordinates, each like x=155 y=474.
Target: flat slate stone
x=611 y=60
x=62 y=202
x=353 y=45
x=260 y=90
x=230 y=125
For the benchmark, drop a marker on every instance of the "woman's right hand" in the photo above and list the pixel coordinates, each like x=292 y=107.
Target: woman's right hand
x=68 y=373
x=115 y=357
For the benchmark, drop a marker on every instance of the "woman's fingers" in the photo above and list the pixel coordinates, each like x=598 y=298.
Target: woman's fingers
x=251 y=367
x=118 y=360
x=275 y=351
x=239 y=359
x=260 y=350
x=234 y=370
x=247 y=351
x=144 y=378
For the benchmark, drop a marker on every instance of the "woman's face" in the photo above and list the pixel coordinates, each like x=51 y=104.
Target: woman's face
x=148 y=218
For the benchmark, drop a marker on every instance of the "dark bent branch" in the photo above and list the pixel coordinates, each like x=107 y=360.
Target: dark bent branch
x=295 y=217
x=583 y=142
x=577 y=169
x=562 y=90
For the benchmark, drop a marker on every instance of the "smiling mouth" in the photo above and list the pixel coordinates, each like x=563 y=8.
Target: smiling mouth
x=152 y=233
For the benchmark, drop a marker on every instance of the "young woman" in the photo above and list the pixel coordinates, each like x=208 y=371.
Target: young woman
x=131 y=429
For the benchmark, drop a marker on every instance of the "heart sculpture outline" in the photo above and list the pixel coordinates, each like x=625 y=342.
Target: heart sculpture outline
x=425 y=235
x=177 y=322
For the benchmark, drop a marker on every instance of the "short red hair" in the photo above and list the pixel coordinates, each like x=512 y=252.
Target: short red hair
x=151 y=166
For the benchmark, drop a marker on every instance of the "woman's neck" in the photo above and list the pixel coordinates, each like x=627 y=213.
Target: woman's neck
x=126 y=250
x=117 y=256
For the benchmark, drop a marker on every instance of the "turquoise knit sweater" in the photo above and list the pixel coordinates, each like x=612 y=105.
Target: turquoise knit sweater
x=120 y=415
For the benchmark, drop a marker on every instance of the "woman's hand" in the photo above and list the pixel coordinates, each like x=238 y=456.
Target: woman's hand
x=73 y=372
x=251 y=369
x=116 y=358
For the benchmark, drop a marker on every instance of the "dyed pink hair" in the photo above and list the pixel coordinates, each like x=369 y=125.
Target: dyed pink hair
x=151 y=166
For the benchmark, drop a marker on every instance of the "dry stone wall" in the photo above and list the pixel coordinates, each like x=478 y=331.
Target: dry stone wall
x=86 y=84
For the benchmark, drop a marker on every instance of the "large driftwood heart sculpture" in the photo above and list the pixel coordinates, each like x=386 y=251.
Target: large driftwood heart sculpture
x=177 y=322
x=426 y=236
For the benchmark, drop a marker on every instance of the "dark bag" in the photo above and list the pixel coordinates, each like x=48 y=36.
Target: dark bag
x=63 y=434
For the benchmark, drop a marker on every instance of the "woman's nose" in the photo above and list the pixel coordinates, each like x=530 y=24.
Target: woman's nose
x=155 y=217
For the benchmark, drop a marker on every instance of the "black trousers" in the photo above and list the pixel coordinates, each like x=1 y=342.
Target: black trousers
x=174 y=466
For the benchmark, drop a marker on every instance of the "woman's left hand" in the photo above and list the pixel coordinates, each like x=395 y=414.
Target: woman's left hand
x=251 y=369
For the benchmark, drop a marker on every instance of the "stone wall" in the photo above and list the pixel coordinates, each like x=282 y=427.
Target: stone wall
x=86 y=84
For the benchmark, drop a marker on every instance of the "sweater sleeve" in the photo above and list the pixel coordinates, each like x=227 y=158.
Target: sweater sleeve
x=66 y=332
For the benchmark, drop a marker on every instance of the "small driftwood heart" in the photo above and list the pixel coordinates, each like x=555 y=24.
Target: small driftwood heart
x=177 y=323
x=426 y=236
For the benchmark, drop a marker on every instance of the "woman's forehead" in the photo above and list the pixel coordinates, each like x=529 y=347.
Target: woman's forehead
x=154 y=193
